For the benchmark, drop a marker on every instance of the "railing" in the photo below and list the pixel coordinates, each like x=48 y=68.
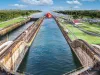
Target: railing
x=73 y=71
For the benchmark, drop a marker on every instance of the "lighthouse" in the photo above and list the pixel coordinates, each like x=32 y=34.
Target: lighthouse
x=49 y=15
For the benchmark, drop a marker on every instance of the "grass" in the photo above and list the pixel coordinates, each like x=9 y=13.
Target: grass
x=75 y=32
x=90 y=27
x=10 y=22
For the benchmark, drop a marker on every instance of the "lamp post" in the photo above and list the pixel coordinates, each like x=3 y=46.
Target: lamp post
x=70 y=12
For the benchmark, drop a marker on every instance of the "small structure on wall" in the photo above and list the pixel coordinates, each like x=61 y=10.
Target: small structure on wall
x=77 y=22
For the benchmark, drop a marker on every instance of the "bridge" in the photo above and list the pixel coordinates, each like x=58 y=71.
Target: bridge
x=12 y=52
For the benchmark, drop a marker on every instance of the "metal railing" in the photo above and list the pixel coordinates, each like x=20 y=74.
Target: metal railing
x=73 y=71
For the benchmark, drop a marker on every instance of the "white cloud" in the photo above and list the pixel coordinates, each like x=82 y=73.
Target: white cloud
x=76 y=7
x=18 y=5
x=38 y=2
x=74 y=2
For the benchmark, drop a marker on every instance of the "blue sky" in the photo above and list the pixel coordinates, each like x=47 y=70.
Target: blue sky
x=48 y=5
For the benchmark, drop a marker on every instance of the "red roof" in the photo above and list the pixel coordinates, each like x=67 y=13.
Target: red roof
x=76 y=21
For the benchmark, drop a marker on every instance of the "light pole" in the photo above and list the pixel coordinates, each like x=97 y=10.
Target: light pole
x=70 y=12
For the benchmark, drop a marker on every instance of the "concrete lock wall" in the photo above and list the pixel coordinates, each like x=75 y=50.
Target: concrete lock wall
x=84 y=58
x=16 y=52
x=10 y=60
x=12 y=27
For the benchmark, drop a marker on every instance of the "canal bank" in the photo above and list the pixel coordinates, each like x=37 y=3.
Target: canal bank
x=84 y=51
x=49 y=54
x=13 y=26
x=16 y=32
x=11 y=35
x=11 y=57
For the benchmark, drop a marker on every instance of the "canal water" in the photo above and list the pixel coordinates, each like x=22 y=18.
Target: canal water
x=49 y=54
x=15 y=33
